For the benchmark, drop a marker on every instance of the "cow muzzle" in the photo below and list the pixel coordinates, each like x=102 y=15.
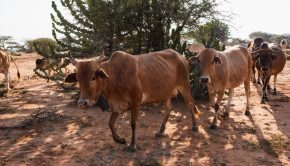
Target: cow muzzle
x=83 y=104
x=204 y=79
x=265 y=69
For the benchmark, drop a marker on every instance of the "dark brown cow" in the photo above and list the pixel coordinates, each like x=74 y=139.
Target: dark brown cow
x=128 y=81
x=5 y=59
x=47 y=64
x=224 y=70
x=272 y=60
x=252 y=47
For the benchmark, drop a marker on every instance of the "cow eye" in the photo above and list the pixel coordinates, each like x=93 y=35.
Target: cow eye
x=93 y=78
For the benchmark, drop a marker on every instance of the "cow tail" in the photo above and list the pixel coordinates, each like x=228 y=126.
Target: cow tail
x=18 y=74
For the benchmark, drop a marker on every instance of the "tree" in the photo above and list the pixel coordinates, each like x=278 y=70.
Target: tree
x=269 y=37
x=43 y=46
x=47 y=48
x=4 y=40
x=211 y=34
x=135 y=26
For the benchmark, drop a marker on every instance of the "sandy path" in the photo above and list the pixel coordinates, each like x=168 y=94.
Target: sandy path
x=82 y=137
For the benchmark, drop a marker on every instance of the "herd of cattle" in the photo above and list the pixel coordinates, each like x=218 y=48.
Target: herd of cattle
x=127 y=81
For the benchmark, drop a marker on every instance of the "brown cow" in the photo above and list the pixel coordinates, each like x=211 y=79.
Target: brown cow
x=5 y=59
x=272 y=60
x=128 y=81
x=47 y=64
x=224 y=70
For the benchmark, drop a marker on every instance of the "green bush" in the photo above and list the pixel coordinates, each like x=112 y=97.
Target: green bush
x=43 y=45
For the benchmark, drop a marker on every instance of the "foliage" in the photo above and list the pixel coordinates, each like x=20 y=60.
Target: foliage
x=43 y=45
x=135 y=26
x=9 y=44
x=211 y=34
x=269 y=37
x=47 y=48
x=4 y=40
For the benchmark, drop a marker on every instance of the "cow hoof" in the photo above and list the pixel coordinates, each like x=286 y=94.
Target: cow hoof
x=131 y=148
x=254 y=81
x=194 y=128
x=274 y=92
x=263 y=101
x=120 y=141
x=258 y=82
x=247 y=113
x=213 y=126
x=225 y=115
x=158 y=135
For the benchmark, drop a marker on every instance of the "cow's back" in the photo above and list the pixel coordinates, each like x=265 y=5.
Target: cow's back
x=149 y=78
x=238 y=66
x=278 y=64
x=161 y=73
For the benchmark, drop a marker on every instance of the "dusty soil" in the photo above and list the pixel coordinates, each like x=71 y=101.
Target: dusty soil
x=62 y=134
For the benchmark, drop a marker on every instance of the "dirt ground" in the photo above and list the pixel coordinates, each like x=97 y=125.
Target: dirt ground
x=62 y=134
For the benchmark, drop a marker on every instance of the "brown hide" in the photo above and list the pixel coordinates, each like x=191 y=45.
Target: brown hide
x=272 y=61
x=5 y=59
x=234 y=70
x=225 y=70
x=149 y=78
x=128 y=81
x=279 y=62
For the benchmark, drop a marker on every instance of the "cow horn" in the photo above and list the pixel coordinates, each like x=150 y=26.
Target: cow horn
x=102 y=55
x=254 y=52
x=276 y=51
x=72 y=60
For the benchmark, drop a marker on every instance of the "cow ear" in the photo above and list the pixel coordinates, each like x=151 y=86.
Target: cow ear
x=217 y=60
x=192 y=59
x=255 y=57
x=71 y=78
x=101 y=73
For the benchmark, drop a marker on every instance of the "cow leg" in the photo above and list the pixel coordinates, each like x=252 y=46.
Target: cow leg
x=259 y=76
x=216 y=108
x=247 y=91
x=268 y=84
x=254 y=73
x=265 y=93
x=275 y=81
x=49 y=71
x=227 y=110
x=185 y=92
x=7 y=78
x=112 y=122
x=134 y=116
x=168 y=106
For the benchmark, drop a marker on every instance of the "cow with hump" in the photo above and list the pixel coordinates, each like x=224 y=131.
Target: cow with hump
x=128 y=81
x=224 y=70
x=272 y=60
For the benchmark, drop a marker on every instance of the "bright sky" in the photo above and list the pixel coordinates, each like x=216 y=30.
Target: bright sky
x=28 y=19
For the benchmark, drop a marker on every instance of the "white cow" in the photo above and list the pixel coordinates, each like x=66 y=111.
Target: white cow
x=284 y=44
